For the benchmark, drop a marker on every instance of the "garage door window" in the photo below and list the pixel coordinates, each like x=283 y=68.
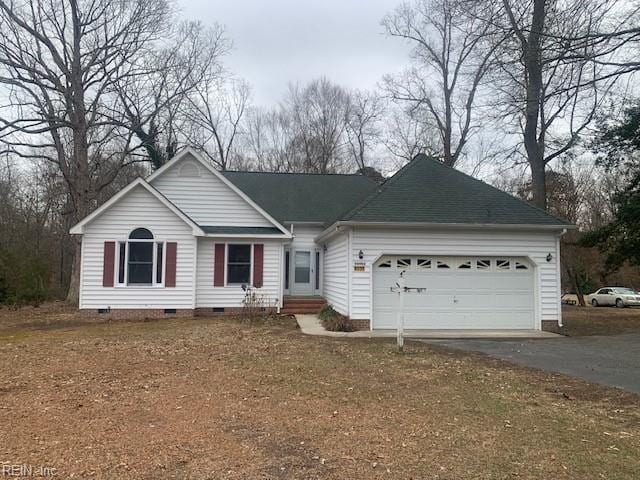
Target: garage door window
x=404 y=262
x=483 y=264
x=424 y=263
x=454 y=263
x=503 y=264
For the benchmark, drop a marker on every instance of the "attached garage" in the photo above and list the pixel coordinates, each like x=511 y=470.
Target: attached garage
x=459 y=292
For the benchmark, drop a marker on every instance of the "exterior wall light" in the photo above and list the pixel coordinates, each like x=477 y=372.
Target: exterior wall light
x=549 y=257
x=360 y=254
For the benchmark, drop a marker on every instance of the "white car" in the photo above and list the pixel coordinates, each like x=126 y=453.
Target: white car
x=618 y=296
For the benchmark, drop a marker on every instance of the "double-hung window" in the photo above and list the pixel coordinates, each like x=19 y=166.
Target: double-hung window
x=238 y=264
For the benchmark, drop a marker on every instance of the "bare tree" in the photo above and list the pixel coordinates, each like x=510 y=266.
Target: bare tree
x=451 y=56
x=214 y=115
x=319 y=114
x=554 y=73
x=363 y=128
x=319 y=127
x=408 y=133
x=157 y=106
x=269 y=140
x=59 y=63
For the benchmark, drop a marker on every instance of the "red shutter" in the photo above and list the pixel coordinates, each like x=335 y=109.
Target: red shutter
x=258 y=263
x=108 y=264
x=218 y=267
x=170 y=264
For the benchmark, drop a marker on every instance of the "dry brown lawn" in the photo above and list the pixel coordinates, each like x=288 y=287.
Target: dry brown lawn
x=580 y=321
x=221 y=399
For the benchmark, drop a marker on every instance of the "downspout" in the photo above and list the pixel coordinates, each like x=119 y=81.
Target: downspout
x=280 y=282
x=559 y=276
x=349 y=269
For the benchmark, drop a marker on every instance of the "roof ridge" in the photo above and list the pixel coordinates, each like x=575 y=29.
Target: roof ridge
x=477 y=180
x=378 y=191
x=300 y=173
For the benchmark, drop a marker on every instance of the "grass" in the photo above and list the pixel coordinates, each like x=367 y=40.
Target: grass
x=581 y=321
x=221 y=399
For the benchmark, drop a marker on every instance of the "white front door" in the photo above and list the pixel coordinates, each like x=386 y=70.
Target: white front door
x=460 y=292
x=302 y=273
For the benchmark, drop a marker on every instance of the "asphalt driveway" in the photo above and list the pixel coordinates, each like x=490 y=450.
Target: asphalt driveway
x=609 y=360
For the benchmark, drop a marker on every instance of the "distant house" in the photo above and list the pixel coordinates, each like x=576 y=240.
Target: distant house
x=187 y=238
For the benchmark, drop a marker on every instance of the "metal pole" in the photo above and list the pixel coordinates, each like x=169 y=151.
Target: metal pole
x=400 y=330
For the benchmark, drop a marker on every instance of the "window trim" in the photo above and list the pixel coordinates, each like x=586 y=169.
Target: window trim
x=116 y=263
x=226 y=264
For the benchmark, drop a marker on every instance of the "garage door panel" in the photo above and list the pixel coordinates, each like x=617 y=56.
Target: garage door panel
x=489 y=292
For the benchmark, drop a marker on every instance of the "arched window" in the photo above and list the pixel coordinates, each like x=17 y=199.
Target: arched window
x=140 y=259
x=141 y=234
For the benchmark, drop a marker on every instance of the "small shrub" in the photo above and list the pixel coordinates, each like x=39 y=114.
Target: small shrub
x=255 y=306
x=334 y=321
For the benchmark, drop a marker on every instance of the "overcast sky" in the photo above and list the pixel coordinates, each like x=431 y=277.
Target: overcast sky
x=282 y=41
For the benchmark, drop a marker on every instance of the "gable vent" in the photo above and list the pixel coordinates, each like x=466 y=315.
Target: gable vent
x=189 y=169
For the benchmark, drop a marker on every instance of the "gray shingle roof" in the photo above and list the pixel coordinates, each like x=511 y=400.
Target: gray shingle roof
x=426 y=191
x=303 y=197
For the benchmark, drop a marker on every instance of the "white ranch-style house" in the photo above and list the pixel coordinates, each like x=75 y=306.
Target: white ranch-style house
x=187 y=238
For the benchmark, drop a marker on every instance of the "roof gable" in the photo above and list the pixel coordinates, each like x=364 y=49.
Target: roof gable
x=192 y=183
x=426 y=191
x=303 y=197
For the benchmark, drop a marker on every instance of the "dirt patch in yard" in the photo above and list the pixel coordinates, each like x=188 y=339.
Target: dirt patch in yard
x=581 y=321
x=221 y=399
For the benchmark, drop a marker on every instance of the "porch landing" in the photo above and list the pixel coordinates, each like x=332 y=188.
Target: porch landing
x=310 y=325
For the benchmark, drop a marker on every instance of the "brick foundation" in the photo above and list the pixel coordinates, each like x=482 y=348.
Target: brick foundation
x=209 y=311
x=360 y=324
x=550 y=326
x=145 y=313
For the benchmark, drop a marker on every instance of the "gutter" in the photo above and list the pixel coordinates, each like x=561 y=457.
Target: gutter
x=335 y=227
x=246 y=235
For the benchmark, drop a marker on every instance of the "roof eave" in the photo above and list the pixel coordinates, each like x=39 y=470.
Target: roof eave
x=334 y=228
x=247 y=235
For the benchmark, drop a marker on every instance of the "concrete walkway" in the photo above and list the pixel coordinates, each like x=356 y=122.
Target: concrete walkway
x=310 y=325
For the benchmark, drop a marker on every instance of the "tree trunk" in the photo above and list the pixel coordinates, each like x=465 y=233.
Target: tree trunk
x=82 y=195
x=575 y=282
x=538 y=182
x=73 y=294
x=532 y=133
x=579 y=292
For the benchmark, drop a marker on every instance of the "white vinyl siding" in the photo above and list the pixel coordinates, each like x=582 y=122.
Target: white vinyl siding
x=138 y=208
x=208 y=296
x=304 y=235
x=205 y=198
x=336 y=281
x=534 y=245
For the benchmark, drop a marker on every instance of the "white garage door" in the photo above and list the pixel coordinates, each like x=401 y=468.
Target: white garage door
x=461 y=292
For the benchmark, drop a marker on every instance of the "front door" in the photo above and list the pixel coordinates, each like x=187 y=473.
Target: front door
x=302 y=273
